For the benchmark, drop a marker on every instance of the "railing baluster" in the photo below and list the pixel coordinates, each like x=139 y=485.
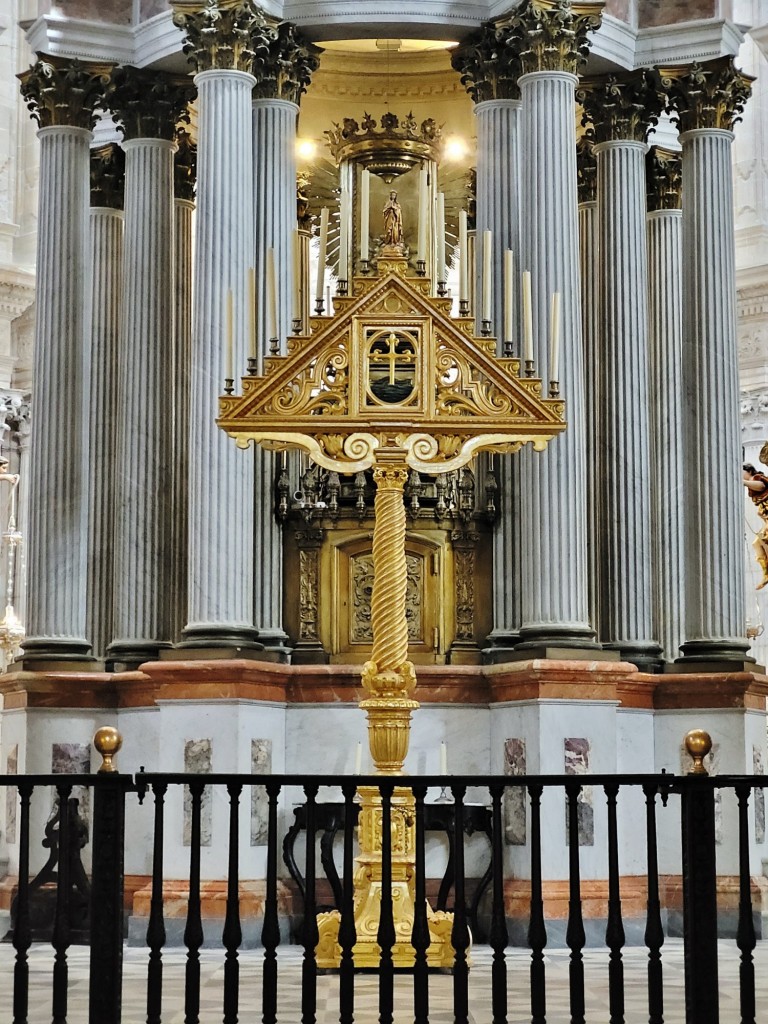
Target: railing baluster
x=232 y=935
x=309 y=964
x=745 y=934
x=499 y=936
x=614 y=929
x=654 y=933
x=699 y=901
x=156 y=924
x=537 y=931
x=347 y=932
x=61 y=933
x=193 y=931
x=460 y=931
x=22 y=935
x=270 y=932
x=574 y=936
x=386 y=933
x=420 y=935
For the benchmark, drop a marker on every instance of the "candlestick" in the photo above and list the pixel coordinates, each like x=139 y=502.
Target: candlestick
x=272 y=293
x=252 y=312
x=358 y=758
x=527 y=318
x=443 y=758
x=230 y=360
x=487 y=278
x=343 y=235
x=463 y=259
x=321 y=254
x=421 y=254
x=365 y=212
x=440 y=269
x=554 y=338
x=509 y=293
x=328 y=300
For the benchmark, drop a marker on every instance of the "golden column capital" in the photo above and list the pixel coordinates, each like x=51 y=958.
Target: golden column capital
x=226 y=35
x=551 y=35
x=664 y=178
x=107 y=176
x=489 y=63
x=149 y=104
x=59 y=91
x=712 y=94
x=620 y=107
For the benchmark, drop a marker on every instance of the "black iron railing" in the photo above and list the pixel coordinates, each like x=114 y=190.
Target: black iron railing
x=697 y=801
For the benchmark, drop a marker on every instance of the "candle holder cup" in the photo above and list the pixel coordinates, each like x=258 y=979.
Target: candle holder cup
x=341 y=286
x=529 y=368
x=421 y=268
x=274 y=346
x=229 y=385
x=365 y=266
x=463 y=307
x=252 y=366
x=485 y=328
x=554 y=389
x=442 y=289
x=509 y=349
x=319 y=307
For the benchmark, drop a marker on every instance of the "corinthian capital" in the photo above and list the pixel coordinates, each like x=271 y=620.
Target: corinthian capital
x=586 y=170
x=620 y=107
x=184 y=166
x=708 y=95
x=149 y=104
x=664 y=178
x=59 y=91
x=107 y=176
x=488 y=66
x=284 y=71
x=551 y=35
x=224 y=34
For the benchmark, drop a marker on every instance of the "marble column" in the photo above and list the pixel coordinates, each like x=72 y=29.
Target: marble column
x=621 y=109
x=220 y=41
x=708 y=98
x=554 y=598
x=62 y=95
x=489 y=70
x=589 y=263
x=275 y=111
x=107 y=181
x=665 y=325
x=185 y=169
x=147 y=104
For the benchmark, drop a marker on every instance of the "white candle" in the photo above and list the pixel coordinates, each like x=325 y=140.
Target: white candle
x=440 y=271
x=554 y=338
x=230 y=360
x=527 y=318
x=365 y=212
x=509 y=295
x=296 y=275
x=443 y=758
x=328 y=300
x=423 y=215
x=321 y=253
x=463 y=257
x=487 y=273
x=272 y=293
x=358 y=757
x=343 y=236
x=252 y=312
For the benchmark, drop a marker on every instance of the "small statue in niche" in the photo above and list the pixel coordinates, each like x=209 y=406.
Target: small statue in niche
x=393 y=221
x=757 y=488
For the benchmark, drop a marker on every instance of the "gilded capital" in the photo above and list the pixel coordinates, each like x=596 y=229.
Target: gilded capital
x=221 y=34
x=708 y=95
x=59 y=91
x=551 y=35
x=586 y=170
x=149 y=104
x=184 y=166
x=488 y=66
x=620 y=107
x=664 y=178
x=107 y=176
x=285 y=69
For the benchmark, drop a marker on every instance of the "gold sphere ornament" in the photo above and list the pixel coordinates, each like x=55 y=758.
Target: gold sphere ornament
x=698 y=743
x=107 y=741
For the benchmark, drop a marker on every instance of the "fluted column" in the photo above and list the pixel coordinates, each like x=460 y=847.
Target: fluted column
x=275 y=111
x=554 y=599
x=490 y=69
x=107 y=180
x=62 y=95
x=621 y=109
x=708 y=98
x=665 y=326
x=148 y=104
x=220 y=41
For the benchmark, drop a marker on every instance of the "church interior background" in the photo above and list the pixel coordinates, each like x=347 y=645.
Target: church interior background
x=203 y=193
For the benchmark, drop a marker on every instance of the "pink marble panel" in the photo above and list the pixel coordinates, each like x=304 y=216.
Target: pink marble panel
x=116 y=12
x=651 y=13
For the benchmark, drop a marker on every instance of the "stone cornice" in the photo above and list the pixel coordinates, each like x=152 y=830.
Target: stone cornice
x=489 y=68
x=664 y=178
x=551 y=35
x=149 y=104
x=620 y=107
x=107 y=176
x=17 y=292
x=709 y=95
x=223 y=34
x=64 y=92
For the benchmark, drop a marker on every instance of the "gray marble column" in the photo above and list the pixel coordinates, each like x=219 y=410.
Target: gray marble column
x=58 y=90
x=665 y=391
x=708 y=98
x=148 y=105
x=107 y=179
x=621 y=107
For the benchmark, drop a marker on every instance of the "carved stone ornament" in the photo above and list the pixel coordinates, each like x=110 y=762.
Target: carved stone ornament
x=586 y=170
x=489 y=68
x=107 y=176
x=285 y=71
x=664 y=178
x=149 y=104
x=464 y=548
x=620 y=107
x=184 y=166
x=59 y=91
x=551 y=35
x=225 y=34
x=708 y=95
